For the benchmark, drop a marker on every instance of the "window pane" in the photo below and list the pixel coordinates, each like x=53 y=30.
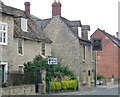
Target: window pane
x=20 y=50
x=4 y=40
x=20 y=46
x=3 y=33
x=19 y=43
x=0 y=36
x=83 y=52
x=0 y=26
x=24 y=24
x=4 y=27
x=20 y=69
x=43 y=49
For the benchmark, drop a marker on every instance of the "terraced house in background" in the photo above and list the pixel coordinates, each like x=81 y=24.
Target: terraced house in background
x=20 y=40
x=71 y=44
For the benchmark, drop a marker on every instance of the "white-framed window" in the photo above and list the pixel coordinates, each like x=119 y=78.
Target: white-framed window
x=24 y=24
x=4 y=71
x=20 y=46
x=3 y=33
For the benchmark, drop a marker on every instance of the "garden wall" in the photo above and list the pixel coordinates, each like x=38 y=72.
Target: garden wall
x=22 y=90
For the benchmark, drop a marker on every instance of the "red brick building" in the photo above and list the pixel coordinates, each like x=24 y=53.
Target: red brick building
x=109 y=58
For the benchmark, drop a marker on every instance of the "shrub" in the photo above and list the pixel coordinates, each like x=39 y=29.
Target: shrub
x=63 y=85
x=73 y=84
x=57 y=86
x=100 y=76
x=52 y=86
x=70 y=84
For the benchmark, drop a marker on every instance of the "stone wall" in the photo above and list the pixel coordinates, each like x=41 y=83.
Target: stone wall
x=26 y=89
x=22 y=90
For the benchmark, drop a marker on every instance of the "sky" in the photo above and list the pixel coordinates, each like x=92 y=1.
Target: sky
x=101 y=14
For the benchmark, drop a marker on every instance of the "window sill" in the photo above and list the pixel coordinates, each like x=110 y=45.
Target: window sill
x=83 y=61
x=24 y=30
x=20 y=54
x=43 y=56
x=3 y=44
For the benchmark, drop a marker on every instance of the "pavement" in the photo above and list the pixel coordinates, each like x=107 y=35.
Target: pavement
x=82 y=92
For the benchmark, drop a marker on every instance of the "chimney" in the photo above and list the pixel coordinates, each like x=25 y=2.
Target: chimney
x=27 y=7
x=118 y=35
x=84 y=31
x=56 y=8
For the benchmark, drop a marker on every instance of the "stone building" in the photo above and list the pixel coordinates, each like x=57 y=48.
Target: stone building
x=108 y=59
x=20 y=39
x=75 y=51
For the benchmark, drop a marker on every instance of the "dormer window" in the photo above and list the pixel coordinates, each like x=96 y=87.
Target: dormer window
x=3 y=33
x=24 y=24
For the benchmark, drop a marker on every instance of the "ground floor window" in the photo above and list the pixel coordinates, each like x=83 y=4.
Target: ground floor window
x=3 y=72
x=84 y=77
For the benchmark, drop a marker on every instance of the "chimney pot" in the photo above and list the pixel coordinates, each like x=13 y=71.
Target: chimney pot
x=118 y=35
x=56 y=8
x=27 y=7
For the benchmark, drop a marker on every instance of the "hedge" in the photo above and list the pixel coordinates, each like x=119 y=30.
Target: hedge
x=63 y=85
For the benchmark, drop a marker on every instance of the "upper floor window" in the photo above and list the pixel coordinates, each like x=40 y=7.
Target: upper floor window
x=20 y=46
x=24 y=24
x=84 y=52
x=92 y=55
x=3 y=33
x=43 y=49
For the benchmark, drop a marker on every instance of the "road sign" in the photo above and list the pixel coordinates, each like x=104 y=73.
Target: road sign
x=97 y=44
x=52 y=61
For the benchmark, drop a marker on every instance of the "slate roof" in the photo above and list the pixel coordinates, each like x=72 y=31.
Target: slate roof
x=114 y=39
x=73 y=25
x=34 y=32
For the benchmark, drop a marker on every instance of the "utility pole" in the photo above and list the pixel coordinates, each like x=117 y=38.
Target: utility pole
x=95 y=68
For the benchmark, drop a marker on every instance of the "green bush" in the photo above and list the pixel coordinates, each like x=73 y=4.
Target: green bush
x=70 y=84
x=52 y=86
x=73 y=84
x=64 y=85
x=100 y=76
x=57 y=86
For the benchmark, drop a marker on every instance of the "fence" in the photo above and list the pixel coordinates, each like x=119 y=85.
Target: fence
x=16 y=78
x=24 y=83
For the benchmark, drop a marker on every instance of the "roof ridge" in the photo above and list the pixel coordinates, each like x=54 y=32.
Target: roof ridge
x=111 y=37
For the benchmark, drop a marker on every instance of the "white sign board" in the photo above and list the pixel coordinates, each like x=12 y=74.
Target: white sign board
x=52 y=61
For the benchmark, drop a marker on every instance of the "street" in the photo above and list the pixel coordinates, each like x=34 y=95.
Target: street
x=99 y=90
x=105 y=90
